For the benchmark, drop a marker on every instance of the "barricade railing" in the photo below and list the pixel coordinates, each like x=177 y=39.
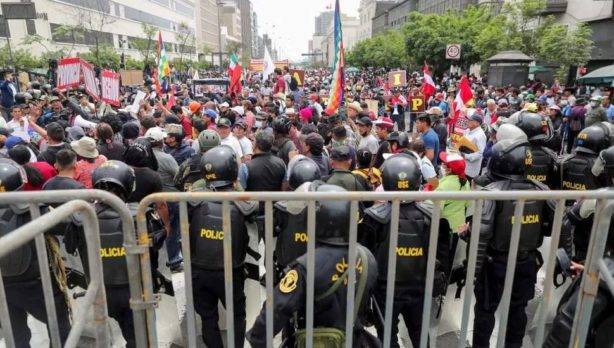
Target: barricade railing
x=142 y=299
x=95 y=292
x=604 y=209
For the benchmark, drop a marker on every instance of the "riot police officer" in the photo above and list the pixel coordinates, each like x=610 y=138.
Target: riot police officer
x=118 y=178
x=580 y=219
x=507 y=165
x=190 y=170
x=290 y=217
x=20 y=269
x=544 y=162
x=220 y=172
x=576 y=168
x=331 y=255
x=402 y=172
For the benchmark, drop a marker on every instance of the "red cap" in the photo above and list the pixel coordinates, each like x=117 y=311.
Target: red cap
x=385 y=122
x=454 y=162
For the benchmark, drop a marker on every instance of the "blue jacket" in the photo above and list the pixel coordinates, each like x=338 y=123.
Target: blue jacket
x=8 y=98
x=180 y=153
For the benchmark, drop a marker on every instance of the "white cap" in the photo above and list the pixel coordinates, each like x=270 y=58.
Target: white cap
x=238 y=109
x=224 y=104
x=290 y=111
x=155 y=134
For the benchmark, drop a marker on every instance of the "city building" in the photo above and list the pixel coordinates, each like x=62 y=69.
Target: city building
x=351 y=35
x=230 y=26
x=366 y=12
x=323 y=21
x=246 y=9
x=255 y=48
x=442 y=6
x=116 y=23
x=391 y=15
x=207 y=29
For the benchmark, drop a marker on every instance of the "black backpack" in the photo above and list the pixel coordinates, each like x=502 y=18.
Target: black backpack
x=18 y=261
x=293 y=84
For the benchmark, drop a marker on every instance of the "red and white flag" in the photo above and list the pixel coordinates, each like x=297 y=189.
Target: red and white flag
x=428 y=85
x=463 y=96
x=110 y=87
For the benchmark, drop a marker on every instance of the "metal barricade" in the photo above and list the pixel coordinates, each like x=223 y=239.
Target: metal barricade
x=142 y=300
x=603 y=215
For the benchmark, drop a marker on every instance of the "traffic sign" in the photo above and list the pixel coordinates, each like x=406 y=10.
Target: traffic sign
x=453 y=51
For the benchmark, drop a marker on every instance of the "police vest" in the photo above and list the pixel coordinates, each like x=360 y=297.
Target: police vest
x=112 y=250
x=412 y=248
x=540 y=165
x=576 y=173
x=207 y=236
x=531 y=222
x=192 y=173
x=20 y=263
x=292 y=238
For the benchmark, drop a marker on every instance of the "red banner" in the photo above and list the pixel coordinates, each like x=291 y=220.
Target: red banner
x=109 y=81
x=69 y=70
x=89 y=79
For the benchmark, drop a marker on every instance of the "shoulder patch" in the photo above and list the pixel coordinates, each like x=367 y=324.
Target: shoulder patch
x=380 y=212
x=288 y=282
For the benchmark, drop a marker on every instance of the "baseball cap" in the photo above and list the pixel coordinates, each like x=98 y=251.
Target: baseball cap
x=224 y=105
x=290 y=111
x=238 y=109
x=340 y=153
x=74 y=132
x=172 y=128
x=384 y=122
x=502 y=101
x=476 y=117
x=156 y=134
x=211 y=114
x=5 y=131
x=455 y=163
x=240 y=123
x=13 y=141
x=224 y=122
x=194 y=106
x=365 y=121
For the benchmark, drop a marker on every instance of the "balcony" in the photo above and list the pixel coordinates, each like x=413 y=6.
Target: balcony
x=555 y=6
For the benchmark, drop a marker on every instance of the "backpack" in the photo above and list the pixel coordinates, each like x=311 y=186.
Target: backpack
x=330 y=337
x=293 y=84
x=17 y=261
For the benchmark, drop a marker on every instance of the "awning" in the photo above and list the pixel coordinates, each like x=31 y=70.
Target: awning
x=539 y=69
x=601 y=76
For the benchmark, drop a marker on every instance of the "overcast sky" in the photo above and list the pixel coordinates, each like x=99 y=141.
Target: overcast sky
x=290 y=23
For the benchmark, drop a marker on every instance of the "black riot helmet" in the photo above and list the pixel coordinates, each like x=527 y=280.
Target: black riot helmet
x=532 y=124
x=114 y=176
x=401 y=139
x=220 y=167
x=20 y=98
x=305 y=170
x=281 y=125
x=510 y=159
x=593 y=139
x=11 y=175
x=332 y=218
x=604 y=165
x=401 y=173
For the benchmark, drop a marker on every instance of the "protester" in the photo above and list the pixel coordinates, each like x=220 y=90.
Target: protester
x=88 y=159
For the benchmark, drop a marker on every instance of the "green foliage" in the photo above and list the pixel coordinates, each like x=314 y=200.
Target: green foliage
x=134 y=64
x=104 y=56
x=384 y=50
x=565 y=46
x=146 y=45
x=71 y=33
x=233 y=47
x=23 y=60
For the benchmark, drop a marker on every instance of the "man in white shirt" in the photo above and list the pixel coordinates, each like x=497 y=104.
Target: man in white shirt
x=366 y=138
x=476 y=135
x=18 y=125
x=227 y=138
x=239 y=130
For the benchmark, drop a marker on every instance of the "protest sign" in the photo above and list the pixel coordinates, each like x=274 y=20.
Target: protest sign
x=69 y=70
x=397 y=78
x=110 y=87
x=89 y=79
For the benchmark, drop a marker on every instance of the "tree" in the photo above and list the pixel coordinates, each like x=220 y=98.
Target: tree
x=70 y=33
x=23 y=60
x=233 y=47
x=104 y=56
x=565 y=46
x=384 y=50
x=94 y=22
x=135 y=64
x=43 y=42
x=186 y=44
x=145 y=45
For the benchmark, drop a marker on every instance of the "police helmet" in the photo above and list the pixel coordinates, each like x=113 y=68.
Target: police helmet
x=605 y=164
x=20 y=98
x=401 y=139
x=281 y=125
x=332 y=218
x=220 y=167
x=11 y=175
x=510 y=131
x=303 y=171
x=401 y=172
x=114 y=175
x=207 y=140
x=532 y=124
x=510 y=159
x=593 y=139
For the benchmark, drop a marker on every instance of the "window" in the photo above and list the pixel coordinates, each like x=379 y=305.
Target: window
x=161 y=2
x=141 y=16
x=97 y=5
x=184 y=9
x=30 y=27
x=87 y=38
x=4 y=29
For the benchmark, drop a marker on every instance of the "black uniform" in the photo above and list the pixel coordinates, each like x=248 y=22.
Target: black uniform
x=544 y=167
x=290 y=219
x=189 y=172
x=329 y=312
x=412 y=256
x=22 y=283
x=207 y=250
x=496 y=229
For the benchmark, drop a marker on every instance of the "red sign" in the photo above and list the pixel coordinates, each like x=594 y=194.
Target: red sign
x=110 y=87
x=69 y=70
x=91 y=86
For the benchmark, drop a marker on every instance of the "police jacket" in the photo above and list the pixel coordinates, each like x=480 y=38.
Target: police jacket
x=21 y=264
x=544 y=166
x=112 y=250
x=498 y=218
x=265 y=172
x=189 y=172
x=577 y=227
x=290 y=294
x=412 y=247
x=207 y=233
x=347 y=180
x=576 y=173
x=290 y=219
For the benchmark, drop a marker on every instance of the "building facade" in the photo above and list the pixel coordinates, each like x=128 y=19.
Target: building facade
x=442 y=6
x=230 y=26
x=246 y=9
x=381 y=19
x=323 y=21
x=116 y=23
x=207 y=29
x=366 y=12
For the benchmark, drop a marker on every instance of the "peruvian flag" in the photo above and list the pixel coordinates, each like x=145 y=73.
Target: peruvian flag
x=463 y=96
x=234 y=73
x=428 y=85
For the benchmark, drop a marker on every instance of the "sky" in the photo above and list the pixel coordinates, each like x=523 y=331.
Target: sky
x=290 y=23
